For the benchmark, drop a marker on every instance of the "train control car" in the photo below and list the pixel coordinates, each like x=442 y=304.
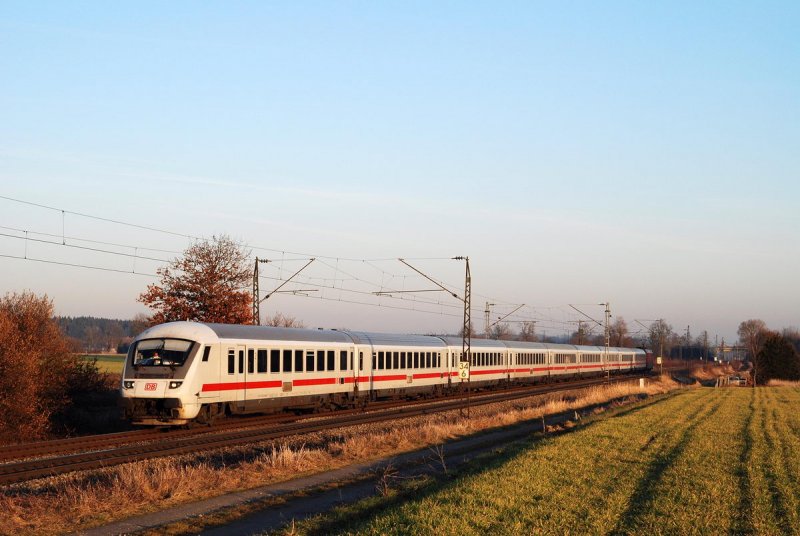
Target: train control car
x=182 y=372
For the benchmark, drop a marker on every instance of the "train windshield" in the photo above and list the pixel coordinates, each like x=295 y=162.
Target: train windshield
x=161 y=352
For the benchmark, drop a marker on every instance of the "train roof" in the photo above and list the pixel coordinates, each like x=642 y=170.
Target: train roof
x=193 y=330
x=392 y=339
x=269 y=333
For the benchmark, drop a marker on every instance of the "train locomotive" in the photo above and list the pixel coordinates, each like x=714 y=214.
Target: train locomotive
x=185 y=372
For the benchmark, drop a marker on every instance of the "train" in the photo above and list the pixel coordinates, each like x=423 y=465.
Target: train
x=182 y=373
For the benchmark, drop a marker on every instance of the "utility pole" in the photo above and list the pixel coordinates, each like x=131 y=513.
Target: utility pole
x=580 y=332
x=466 y=333
x=608 y=333
x=256 y=312
x=688 y=343
x=487 y=314
x=256 y=297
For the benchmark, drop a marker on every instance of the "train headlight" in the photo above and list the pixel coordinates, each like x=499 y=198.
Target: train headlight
x=175 y=385
x=127 y=384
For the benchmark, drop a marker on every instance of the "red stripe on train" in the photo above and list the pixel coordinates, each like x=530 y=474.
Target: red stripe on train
x=211 y=387
x=315 y=381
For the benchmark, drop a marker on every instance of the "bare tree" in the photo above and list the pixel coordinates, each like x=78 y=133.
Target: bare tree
x=279 y=320
x=528 y=332
x=619 y=333
x=501 y=331
x=661 y=337
x=582 y=335
x=139 y=323
x=472 y=333
x=702 y=341
x=752 y=334
x=210 y=283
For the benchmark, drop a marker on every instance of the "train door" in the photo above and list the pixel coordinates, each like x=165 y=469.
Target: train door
x=241 y=376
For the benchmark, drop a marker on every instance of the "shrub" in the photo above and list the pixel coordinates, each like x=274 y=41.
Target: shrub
x=39 y=373
x=777 y=359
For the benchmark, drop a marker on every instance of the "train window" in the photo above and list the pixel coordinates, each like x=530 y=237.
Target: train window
x=310 y=361
x=161 y=352
x=206 y=352
x=274 y=361
x=262 y=360
x=331 y=360
x=438 y=360
x=380 y=361
x=374 y=359
x=402 y=360
x=343 y=360
x=416 y=359
x=241 y=361
x=251 y=361
x=360 y=360
x=428 y=360
x=231 y=362
x=320 y=360
x=298 y=361
x=350 y=361
x=287 y=360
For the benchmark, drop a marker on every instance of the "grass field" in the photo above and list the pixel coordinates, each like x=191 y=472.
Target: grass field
x=111 y=363
x=705 y=461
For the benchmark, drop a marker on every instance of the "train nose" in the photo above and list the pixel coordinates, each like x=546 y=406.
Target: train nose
x=150 y=389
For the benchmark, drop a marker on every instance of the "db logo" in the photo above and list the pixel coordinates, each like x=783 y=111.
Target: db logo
x=150 y=387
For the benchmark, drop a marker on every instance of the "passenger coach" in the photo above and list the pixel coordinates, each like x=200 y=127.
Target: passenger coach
x=179 y=372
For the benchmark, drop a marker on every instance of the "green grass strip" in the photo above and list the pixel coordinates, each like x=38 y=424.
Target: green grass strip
x=704 y=461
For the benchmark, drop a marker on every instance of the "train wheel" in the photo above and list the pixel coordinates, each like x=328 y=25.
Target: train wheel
x=208 y=415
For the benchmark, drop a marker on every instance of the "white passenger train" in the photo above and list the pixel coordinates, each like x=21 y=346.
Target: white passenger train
x=180 y=372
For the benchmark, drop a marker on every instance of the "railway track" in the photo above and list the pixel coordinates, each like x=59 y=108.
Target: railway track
x=96 y=452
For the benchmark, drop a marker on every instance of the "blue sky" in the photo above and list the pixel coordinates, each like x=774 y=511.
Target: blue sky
x=640 y=153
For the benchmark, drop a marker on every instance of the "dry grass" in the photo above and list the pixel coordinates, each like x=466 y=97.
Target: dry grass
x=711 y=372
x=80 y=501
x=783 y=383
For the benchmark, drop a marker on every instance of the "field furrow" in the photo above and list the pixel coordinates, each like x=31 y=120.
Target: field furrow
x=704 y=461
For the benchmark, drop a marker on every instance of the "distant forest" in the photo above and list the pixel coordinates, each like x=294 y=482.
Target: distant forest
x=92 y=334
